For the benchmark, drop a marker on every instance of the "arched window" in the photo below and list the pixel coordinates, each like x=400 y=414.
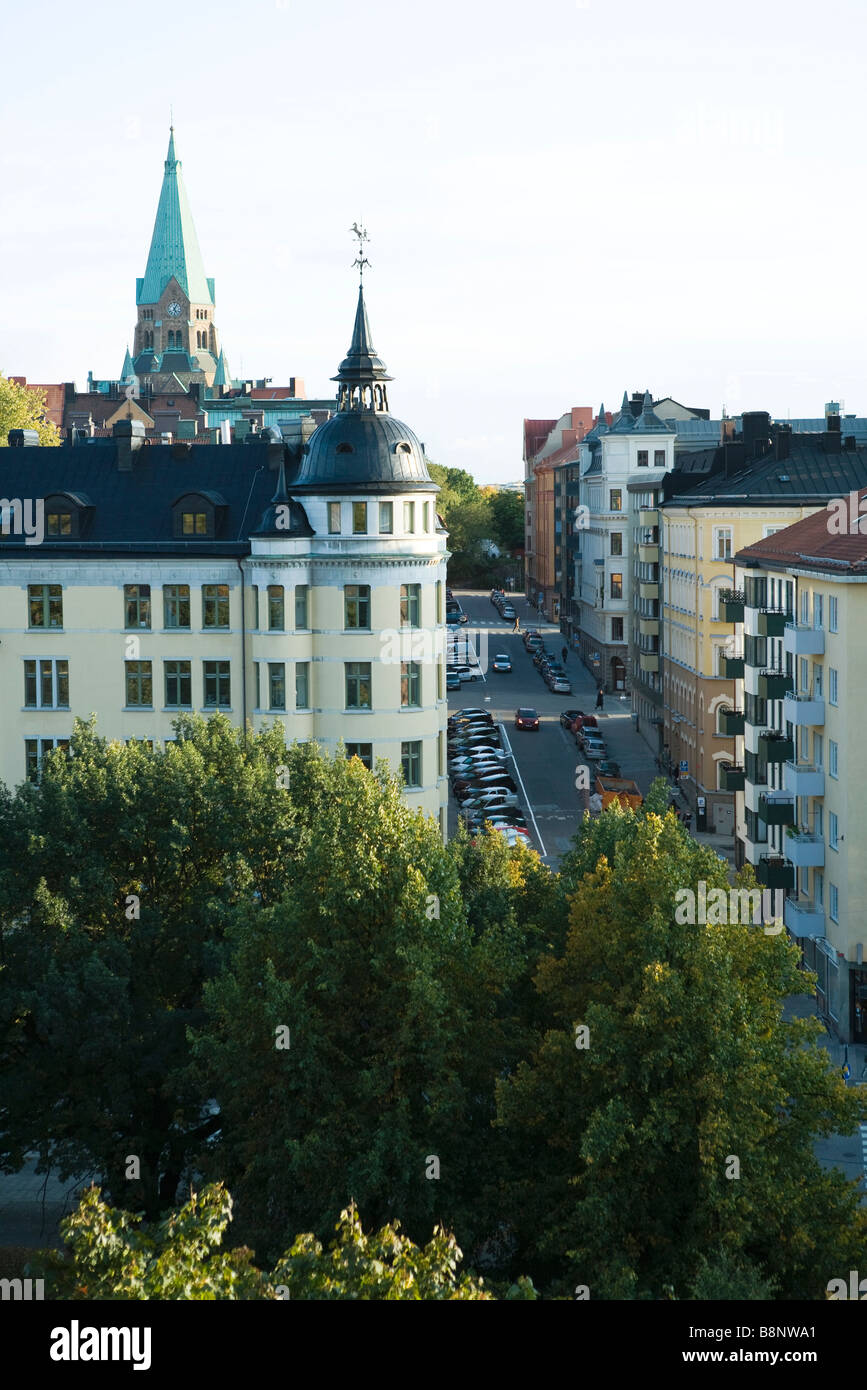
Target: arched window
x=720 y=712
x=345 y=449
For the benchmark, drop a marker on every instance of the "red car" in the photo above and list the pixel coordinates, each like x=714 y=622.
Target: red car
x=526 y=719
x=584 y=721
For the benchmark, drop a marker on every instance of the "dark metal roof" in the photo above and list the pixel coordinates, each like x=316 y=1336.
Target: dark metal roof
x=132 y=511
x=363 y=451
x=361 y=362
x=810 y=473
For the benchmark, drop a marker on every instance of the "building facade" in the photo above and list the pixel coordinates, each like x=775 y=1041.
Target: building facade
x=300 y=585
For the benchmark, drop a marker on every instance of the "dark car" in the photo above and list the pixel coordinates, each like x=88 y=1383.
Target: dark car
x=453 y=680
x=607 y=767
x=526 y=719
x=540 y=656
x=502 y=662
x=568 y=717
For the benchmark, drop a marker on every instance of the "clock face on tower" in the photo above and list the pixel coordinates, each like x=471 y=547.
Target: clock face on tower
x=174 y=309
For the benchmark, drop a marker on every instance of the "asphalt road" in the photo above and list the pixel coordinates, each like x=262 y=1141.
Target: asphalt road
x=545 y=760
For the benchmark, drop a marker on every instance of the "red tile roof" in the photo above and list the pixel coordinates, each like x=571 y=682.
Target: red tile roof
x=817 y=542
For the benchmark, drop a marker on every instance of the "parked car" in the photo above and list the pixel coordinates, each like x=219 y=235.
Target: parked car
x=595 y=750
x=541 y=656
x=568 y=717
x=501 y=662
x=495 y=781
x=508 y=612
x=526 y=719
x=488 y=799
x=467 y=673
x=475 y=710
x=607 y=767
x=453 y=680
x=453 y=619
x=561 y=686
x=584 y=721
x=514 y=835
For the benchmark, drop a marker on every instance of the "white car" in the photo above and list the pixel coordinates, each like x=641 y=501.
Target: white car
x=466 y=673
x=494 y=797
x=514 y=835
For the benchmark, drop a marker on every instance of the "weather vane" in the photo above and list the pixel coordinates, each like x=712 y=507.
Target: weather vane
x=360 y=233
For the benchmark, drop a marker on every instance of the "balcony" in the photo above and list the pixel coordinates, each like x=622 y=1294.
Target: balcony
x=804 y=641
x=649 y=554
x=648 y=627
x=732 y=778
x=803 y=711
x=771 y=622
x=733 y=668
x=804 y=918
x=648 y=661
x=731 y=721
x=648 y=516
x=773 y=685
x=774 y=872
x=776 y=808
x=803 y=779
x=648 y=590
x=804 y=850
x=731 y=606
x=775 y=748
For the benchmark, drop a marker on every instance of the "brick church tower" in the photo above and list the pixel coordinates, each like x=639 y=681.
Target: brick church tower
x=176 y=340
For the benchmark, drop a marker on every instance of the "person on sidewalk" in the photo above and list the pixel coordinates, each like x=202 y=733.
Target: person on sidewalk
x=599 y=698
x=565 y=653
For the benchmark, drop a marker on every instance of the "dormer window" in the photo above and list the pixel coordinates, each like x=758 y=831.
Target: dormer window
x=402 y=448
x=66 y=515
x=198 y=516
x=58 y=524
x=345 y=449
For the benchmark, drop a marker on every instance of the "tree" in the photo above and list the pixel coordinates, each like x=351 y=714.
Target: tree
x=23 y=407
x=112 y=1254
x=118 y=872
x=683 y=1119
x=507 y=514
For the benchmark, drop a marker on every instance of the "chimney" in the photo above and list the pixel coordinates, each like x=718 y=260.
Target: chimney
x=782 y=441
x=23 y=439
x=733 y=452
x=756 y=433
x=849 y=443
x=129 y=437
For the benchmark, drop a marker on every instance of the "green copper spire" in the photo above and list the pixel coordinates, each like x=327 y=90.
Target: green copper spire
x=127 y=369
x=221 y=377
x=174 y=244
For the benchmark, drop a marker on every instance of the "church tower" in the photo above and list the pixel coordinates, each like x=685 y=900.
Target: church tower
x=176 y=340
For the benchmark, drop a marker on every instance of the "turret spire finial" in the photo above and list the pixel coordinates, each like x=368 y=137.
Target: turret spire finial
x=360 y=233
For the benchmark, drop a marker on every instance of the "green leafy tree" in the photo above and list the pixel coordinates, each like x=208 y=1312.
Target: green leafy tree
x=118 y=872
x=684 y=1119
x=23 y=407
x=113 y=1255
x=507 y=516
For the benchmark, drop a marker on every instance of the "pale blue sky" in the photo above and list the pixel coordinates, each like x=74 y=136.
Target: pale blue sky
x=564 y=199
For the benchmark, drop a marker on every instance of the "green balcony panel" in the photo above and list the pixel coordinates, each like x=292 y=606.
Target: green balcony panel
x=772 y=622
x=773 y=685
x=775 y=873
x=733 y=667
x=732 y=778
x=732 y=722
x=776 y=750
x=776 y=812
x=731 y=608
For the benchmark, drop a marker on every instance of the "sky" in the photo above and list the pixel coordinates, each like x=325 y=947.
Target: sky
x=564 y=199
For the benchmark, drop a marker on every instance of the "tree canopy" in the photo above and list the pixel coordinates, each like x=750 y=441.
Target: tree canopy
x=23 y=407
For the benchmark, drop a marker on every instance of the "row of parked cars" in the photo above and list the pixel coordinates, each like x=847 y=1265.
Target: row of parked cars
x=552 y=671
x=589 y=740
x=455 y=615
x=481 y=781
x=503 y=604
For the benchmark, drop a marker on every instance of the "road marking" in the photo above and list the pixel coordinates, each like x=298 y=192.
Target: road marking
x=504 y=737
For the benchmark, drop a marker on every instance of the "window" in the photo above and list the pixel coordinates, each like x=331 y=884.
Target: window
x=356 y=606
x=217 y=684
x=439 y=680
x=45 y=605
x=616 y=542
x=410 y=685
x=35 y=750
x=642 y=458
x=803 y=674
x=46 y=684
x=58 y=524
x=832 y=685
x=334 y=518
x=359 y=518
x=440 y=758
x=215 y=605
x=818 y=681
x=194 y=523
x=410 y=758
x=615 y=499
x=805 y=607
x=386 y=518
x=818 y=750
x=137 y=605
x=832 y=758
x=425 y=516
x=832 y=830
x=722 y=542
x=722 y=711
x=276 y=685
x=302 y=685
x=362 y=751
x=176 y=605
x=410 y=605
x=819 y=888
x=301 y=616
x=832 y=614
x=833 y=902
x=179 y=684
x=440 y=616
x=409 y=517
x=276 y=608
x=617 y=586
x=617 y=629
x=659 y=458
x=139 y=684
x=358 y=685
x=254 y=603
x=817 y=610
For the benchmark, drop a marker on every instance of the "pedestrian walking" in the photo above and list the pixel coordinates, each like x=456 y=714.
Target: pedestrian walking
x=599 y=698
x=517 y=627
x=565 y=653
